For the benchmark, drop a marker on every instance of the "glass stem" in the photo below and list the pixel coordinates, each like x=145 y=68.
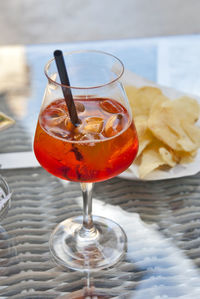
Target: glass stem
x=87 y=205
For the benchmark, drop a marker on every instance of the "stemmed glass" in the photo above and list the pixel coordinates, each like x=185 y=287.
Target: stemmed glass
x=100 y=146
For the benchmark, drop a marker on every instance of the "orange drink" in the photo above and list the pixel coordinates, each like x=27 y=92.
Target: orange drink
x=103 y=145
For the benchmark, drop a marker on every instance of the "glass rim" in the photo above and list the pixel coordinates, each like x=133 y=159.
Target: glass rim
x=88 y=87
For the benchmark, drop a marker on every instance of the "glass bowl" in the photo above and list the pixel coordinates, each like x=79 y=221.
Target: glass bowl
x=5 y=197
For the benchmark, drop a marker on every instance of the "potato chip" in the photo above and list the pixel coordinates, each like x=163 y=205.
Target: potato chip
x=141 y=123
x=186 y=157
x=192 y=131
x=150 y=160
x=158 y=101
x=142 y=99
x=144 y=134
x=144 y=141
x=131 y=92
x=187 y=108
x=167 y=156
x=165 y=124
x=158 y=122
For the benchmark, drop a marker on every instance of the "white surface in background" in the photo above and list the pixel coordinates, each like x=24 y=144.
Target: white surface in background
x=178 y=65
x=18 y=160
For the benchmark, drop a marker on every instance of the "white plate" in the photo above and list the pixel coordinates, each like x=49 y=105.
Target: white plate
x=178 y=171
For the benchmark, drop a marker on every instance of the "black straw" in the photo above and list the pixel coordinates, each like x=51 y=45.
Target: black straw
x=64 y=79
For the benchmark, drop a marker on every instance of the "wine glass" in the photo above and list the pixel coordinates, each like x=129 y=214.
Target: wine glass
x=102 y=145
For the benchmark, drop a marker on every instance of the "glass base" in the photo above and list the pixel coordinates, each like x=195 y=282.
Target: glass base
x=88 y=250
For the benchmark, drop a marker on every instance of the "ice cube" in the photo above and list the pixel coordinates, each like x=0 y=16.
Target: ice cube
x=113 y=125
x=55 y=121
x=79 y=107
x=87 y=136
x=55 y=116
x=68 y=124
x=93 y=125
x=81 y=136
x=110 y=106
x=58 y=132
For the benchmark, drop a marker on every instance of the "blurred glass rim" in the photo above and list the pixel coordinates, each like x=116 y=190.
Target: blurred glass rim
x=118 y=76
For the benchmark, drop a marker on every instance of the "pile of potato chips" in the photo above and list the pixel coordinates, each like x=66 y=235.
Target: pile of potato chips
x=167 y=130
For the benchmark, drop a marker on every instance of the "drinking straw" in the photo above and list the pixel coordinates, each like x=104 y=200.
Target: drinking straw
x=64 y=79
